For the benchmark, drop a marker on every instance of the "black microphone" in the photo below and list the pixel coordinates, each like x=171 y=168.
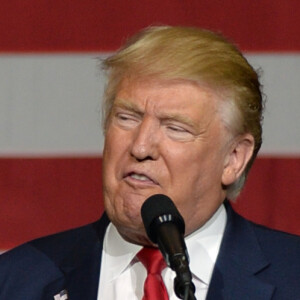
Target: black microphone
x=165 y=227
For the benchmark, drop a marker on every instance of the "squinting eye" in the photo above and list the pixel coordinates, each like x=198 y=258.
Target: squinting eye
x=126 y=120
x=178 y=133
x=177 y=129
x=122 y=117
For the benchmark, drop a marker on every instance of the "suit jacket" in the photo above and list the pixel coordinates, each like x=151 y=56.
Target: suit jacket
x=253 y=263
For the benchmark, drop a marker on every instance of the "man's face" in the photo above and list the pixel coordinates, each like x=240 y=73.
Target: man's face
x=163 y=137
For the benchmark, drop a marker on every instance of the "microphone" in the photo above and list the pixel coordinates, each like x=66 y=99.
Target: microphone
x=165 y=227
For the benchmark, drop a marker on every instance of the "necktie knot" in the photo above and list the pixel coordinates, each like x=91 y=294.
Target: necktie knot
x=153 y=261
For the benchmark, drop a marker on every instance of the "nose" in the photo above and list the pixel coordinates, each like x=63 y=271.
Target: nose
x=145 y=142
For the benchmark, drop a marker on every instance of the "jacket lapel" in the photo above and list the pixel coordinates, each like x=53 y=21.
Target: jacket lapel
x=79 y=270
x=82 y=281
x=82 y=268
x=54 y=288
x=239 y=260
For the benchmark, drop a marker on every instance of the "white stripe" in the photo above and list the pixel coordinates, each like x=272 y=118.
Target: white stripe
x=281 y=80
x=51 y=104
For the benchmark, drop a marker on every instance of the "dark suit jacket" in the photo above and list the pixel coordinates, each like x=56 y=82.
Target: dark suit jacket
x=254 y=263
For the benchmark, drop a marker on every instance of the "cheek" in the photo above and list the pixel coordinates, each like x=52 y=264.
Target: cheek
x=115 y=156
x=195 y=169
x=110 y=160
x=114 y=148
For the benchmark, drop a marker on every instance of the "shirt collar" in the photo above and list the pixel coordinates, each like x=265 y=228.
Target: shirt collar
x=204 y=244
x=118 y=253
x=203 y=247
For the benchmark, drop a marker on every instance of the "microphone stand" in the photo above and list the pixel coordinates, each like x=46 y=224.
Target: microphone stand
x=173 y=248
x=188 y=292
x=189 y=295
x=165 y=227
x=183 y=286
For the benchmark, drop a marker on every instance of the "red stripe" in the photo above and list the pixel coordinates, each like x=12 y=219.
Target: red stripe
x=271 y=195
x=91 y=25
x=42 y=196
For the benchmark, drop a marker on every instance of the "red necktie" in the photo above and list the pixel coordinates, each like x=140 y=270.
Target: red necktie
x=154 y=287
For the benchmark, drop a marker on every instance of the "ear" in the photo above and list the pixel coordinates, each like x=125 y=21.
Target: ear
x=236 y=161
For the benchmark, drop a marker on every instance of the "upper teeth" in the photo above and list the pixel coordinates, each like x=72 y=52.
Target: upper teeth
x=139 y=177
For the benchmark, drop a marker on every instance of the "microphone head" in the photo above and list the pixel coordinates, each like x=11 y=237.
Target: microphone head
x=159 y=209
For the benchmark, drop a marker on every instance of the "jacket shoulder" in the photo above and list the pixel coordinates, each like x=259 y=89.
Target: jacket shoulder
x=60 y=245
x=33 y=265
x=278 y=245
x=48 y=249
x=24 y=272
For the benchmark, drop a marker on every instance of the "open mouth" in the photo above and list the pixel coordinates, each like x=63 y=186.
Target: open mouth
x=140 y=177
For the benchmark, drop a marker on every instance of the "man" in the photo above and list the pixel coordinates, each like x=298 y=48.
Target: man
x=183 y=111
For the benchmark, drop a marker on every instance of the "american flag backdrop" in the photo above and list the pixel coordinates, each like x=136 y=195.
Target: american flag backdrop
x=50 y=104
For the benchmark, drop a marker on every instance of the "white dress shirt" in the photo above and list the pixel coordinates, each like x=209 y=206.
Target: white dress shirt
x=122 y=275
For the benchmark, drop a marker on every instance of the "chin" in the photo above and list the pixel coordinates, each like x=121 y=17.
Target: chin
x=127 y=219
x=133 y=233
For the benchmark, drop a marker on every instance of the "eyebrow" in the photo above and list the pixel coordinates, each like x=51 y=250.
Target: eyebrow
x=125 y=104
x=179 y=118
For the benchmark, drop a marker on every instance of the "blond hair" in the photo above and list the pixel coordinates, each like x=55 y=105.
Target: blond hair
x=198 y=55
